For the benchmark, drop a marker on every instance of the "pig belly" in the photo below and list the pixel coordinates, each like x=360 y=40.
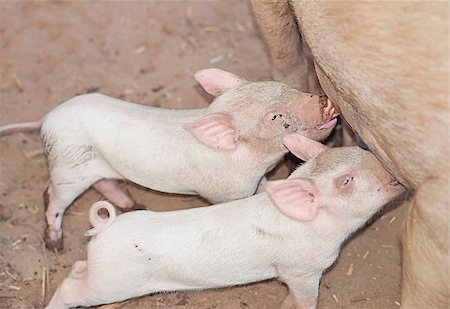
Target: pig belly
x=148 y=161
x=397 y=101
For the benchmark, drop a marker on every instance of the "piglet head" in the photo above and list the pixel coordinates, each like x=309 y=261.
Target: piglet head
x=259 y=114
x=345 y=184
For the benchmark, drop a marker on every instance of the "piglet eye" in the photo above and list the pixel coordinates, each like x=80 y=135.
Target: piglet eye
x=276 y=116
x=344 y=181
x=347 y=181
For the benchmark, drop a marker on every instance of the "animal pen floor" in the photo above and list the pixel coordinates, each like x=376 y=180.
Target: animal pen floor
x=146 y=52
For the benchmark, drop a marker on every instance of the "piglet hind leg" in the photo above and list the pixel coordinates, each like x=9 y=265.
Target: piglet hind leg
x=112 y=191
x=59 y=196
x=67 y=183
x=303 y=292
x=56 y=199
x=75 y=290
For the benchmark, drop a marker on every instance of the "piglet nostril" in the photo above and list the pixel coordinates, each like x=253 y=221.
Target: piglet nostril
x=323 y=102
x=393 y=182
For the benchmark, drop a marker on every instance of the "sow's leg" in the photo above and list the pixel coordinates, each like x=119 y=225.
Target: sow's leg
x=425 y=272
x=290 y=58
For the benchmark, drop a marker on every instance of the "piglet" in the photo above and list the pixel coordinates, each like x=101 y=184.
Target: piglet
x=221 y=152
x=293 y=232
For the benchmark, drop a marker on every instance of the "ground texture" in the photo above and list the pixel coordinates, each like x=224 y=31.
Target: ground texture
x=146 y=52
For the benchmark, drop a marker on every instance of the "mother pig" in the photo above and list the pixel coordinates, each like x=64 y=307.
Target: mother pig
x=385 y=64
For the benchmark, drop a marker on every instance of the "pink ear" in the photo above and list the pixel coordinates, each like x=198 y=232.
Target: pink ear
x=216 y=81
x=215 y=131
x=296 y=198
x=303 y=147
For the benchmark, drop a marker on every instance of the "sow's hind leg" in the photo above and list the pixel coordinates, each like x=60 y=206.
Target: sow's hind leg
x=425 y=272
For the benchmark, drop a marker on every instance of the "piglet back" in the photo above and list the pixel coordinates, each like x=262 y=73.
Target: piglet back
x=98 y=223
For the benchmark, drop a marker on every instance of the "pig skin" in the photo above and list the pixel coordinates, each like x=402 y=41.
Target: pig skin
x=234 y=243
x=385 y=64
x=221 y=152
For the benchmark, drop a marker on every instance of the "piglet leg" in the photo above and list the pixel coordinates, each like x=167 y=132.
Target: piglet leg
x=74 y=291
x=303 y=292
x=425 y=274
x=111 y=190
x=277 y=24
x=56 y=199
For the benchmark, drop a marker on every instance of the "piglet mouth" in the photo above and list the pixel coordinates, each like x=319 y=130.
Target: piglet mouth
x=328 y=112
x=393 y=183
x=329 y=124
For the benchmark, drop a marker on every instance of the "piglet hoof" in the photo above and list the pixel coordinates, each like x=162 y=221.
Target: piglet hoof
x=134 y=207
x=53 y=244
x=46 y=198
x=289 y=303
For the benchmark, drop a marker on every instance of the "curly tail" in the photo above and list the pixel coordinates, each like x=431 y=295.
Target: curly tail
x=99 y=224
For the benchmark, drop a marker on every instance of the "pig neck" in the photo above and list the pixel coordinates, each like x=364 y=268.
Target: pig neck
x=338 y=225
x=259 y=211
x=245 y=165
x=254 y=156
x=300 y=242
x=249 y=154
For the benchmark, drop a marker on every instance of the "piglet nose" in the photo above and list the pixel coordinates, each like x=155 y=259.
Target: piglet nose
x=323 y=101
x=393 y=182
x=328 y=108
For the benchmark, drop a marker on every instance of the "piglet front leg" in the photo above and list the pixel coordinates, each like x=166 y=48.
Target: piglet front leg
x=303 y=292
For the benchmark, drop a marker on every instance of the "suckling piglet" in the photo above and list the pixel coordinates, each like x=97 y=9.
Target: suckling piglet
x=293 y=232
x=220 y=152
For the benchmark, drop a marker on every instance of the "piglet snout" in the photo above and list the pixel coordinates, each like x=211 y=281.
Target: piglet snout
x=393 y=182
x=329 y=109
x=329 y=113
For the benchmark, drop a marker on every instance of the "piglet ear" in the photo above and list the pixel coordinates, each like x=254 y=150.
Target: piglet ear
x=215 y=131
x=303 y=147
x=216 y=81
x=296 y=198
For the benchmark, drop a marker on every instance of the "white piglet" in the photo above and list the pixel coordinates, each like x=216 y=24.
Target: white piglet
x=292 y=232
x=221 y=152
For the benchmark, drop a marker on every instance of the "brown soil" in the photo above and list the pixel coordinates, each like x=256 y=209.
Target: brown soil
x=144 y=52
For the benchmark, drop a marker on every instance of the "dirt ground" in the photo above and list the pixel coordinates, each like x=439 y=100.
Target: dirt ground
x=144 y=52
